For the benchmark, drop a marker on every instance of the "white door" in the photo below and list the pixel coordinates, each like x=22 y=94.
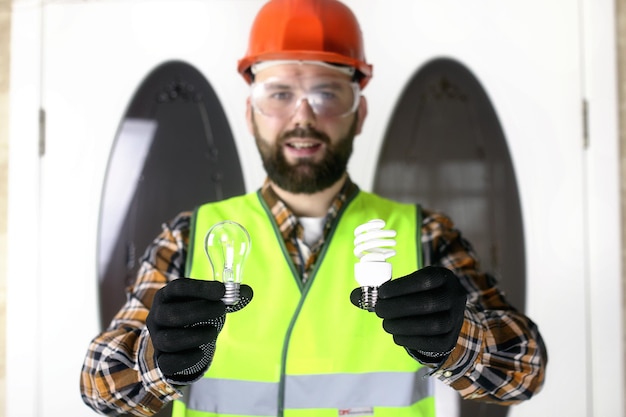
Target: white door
x=537 y=60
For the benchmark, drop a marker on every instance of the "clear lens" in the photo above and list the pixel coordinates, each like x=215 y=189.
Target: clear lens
x=328 y=97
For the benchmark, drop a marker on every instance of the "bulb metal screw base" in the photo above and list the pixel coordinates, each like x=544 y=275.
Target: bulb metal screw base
x=369 y=296
x=231 y=297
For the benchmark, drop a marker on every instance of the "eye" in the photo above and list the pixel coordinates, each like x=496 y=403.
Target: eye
x=325 y=95
x=328 y=94
x=281 y=95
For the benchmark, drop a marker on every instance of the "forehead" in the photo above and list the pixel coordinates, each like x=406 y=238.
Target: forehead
x=298 y=70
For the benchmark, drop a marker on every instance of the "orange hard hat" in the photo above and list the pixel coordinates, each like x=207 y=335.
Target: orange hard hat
x=306 y=30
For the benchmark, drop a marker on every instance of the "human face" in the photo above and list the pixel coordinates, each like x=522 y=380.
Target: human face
x=304 y=152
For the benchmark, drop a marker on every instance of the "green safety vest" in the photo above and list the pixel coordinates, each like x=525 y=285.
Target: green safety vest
x=303 y=350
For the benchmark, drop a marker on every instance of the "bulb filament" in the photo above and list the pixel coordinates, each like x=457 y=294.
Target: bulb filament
x=226 y=245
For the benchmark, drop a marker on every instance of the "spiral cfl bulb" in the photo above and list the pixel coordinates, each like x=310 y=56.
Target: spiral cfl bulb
x=372 y=245
x=227 y=244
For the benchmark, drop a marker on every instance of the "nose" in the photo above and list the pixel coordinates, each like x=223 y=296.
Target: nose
x=304 y=115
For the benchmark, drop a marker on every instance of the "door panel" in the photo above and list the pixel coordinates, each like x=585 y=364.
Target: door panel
x=174 y=151
x=445 y=149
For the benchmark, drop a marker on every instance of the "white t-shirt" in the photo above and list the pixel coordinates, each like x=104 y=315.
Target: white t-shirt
x=313 y=229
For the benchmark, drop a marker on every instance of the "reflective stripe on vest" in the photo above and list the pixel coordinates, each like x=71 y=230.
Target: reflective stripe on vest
x=309 y=391
x=300 y=350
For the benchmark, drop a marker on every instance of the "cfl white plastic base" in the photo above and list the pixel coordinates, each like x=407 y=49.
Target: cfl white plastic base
x=372 y=274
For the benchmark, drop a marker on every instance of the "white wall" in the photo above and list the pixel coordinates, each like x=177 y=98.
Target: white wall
x=537 y=59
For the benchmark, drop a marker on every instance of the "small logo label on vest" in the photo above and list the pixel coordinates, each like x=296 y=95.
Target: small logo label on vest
x=359 y=411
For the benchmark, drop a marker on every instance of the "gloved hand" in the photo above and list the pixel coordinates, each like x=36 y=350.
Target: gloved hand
x=423 y=311
x=184 y=321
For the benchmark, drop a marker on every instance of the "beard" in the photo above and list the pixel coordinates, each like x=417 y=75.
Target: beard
x=306 y=176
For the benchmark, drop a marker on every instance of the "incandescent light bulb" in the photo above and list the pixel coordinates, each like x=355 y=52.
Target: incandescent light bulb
x=226 y=244
x=372 y=246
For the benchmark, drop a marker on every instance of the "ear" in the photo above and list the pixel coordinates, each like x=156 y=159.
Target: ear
x=249 y=111
x=361 y=114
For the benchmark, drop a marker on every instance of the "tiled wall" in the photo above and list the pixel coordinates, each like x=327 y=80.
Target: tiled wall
x=5 y=25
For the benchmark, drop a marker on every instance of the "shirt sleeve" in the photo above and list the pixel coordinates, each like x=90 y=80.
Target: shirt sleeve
x=119 y=373
x=500 y=356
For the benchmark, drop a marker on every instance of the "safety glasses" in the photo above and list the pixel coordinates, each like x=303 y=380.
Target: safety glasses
x=327 y=96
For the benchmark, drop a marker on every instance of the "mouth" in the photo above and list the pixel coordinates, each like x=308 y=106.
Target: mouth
x=303 y=147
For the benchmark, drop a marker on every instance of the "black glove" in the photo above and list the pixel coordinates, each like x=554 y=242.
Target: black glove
x=184 y=321
x=423 y=311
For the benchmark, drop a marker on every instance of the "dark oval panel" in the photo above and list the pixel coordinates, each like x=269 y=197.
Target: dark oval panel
x=445 y=149
x=174 y=150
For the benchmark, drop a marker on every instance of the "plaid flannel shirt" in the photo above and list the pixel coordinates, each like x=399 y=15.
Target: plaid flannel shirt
x=500 y=356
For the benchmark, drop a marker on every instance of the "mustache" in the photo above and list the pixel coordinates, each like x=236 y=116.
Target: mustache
x=305 y=132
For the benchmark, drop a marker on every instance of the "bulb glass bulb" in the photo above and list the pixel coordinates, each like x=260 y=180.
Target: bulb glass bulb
x=373 y=246
x=227 y=244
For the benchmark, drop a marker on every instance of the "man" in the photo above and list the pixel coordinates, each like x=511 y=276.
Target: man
x=298 y=345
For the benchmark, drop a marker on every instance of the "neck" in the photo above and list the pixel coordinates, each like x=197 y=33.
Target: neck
x=310 y=205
